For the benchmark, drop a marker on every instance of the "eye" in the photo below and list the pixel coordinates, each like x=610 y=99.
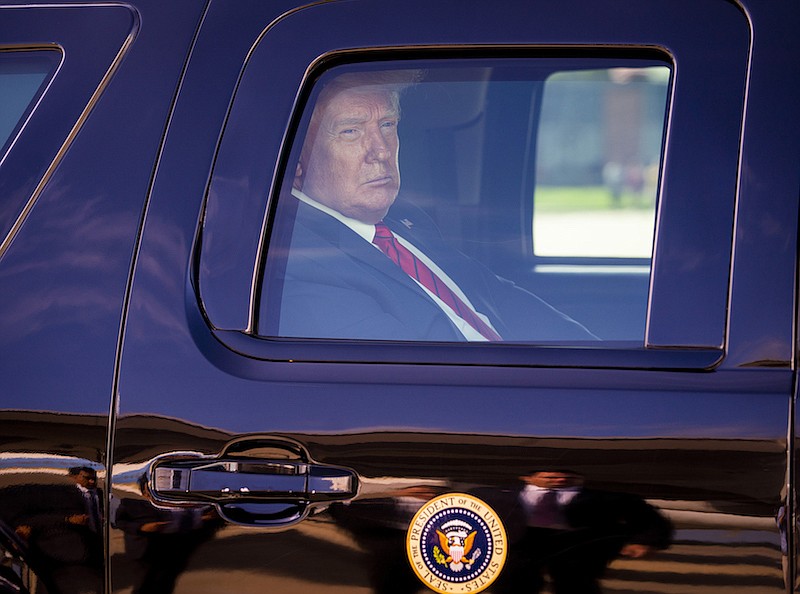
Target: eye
x=349 y=133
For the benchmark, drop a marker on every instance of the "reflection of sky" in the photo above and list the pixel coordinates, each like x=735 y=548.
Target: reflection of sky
x=17 y=462
x=68 y=267
x=56 y=271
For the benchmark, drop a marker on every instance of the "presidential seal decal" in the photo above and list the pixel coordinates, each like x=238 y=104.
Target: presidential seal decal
x=456 y=543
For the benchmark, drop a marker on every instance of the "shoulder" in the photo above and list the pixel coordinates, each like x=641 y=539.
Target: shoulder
x=405 y=214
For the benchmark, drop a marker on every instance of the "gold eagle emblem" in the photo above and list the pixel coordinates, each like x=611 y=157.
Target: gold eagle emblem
x=457 y=545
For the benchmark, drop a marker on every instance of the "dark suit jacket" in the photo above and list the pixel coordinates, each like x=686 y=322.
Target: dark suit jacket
x=132 y=514
x=608 y=519
x=53 y=539
x=333 y=284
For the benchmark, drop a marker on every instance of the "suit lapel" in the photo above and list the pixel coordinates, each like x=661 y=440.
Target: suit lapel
x=349 y=242
x=421 y=232
x=425 y=236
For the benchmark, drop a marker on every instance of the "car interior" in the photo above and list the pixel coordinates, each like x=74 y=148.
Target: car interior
x=468 y=155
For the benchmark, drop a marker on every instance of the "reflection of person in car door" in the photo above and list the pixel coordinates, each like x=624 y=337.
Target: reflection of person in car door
x=62 y=526
x=337 y=283
x=559 y=528
x=160 y=542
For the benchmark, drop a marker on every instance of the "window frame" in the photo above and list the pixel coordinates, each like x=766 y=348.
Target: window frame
x=687 y=344
x=66 y=101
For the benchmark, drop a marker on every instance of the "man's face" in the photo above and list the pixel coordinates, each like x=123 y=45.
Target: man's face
x=349 y=161
x=553 y=480
x=86 y=480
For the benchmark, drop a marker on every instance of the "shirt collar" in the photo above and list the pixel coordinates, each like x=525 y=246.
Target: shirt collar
x=538 y=489
x=365 y=230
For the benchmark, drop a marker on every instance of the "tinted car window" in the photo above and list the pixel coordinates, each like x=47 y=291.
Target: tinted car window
x=447 y=253
x=22 y=77
x=598 y=163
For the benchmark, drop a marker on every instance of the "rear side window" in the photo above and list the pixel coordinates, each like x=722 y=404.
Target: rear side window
x=425 y=200
x=23 y=78
x=598 y=163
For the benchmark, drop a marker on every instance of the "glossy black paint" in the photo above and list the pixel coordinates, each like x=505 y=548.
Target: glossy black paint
x=114 y=352
x=66 y=268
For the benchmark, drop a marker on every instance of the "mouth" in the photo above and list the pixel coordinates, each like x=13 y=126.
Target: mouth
x=380 y=181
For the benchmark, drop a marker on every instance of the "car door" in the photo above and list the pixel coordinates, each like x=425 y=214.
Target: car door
x=255 y=449
x=77 y=150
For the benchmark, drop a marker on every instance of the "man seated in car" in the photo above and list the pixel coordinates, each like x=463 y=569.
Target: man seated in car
x=362 y=263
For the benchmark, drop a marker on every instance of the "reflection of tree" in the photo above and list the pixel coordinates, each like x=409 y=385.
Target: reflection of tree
x=39 y=430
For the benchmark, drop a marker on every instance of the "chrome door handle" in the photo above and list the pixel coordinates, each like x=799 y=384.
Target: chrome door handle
x=224 y=480
x=248 y=489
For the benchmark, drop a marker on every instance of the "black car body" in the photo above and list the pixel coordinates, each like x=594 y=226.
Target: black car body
x=147 y=145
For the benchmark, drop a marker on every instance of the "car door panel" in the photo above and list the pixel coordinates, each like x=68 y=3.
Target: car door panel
x=703 y=441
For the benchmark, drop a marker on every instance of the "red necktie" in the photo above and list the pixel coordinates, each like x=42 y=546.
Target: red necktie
x=417 y=269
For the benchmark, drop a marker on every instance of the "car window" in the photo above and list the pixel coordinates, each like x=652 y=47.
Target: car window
x=598 y=162
x=419 y=198
x=23 y=78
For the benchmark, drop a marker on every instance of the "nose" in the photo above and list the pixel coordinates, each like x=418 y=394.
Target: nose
x=377 y=146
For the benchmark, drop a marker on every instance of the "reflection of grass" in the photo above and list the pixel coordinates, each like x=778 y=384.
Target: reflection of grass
x=583 y=198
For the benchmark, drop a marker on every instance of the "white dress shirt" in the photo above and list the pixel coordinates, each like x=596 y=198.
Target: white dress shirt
x=532 y=495
x=367 y=232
